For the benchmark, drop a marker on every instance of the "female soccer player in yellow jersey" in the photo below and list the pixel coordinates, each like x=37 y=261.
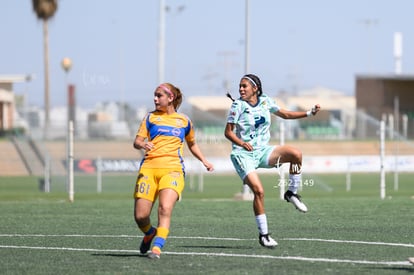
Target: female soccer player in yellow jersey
x=161 y=175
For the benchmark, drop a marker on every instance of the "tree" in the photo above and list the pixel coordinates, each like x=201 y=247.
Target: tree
x=45 y=9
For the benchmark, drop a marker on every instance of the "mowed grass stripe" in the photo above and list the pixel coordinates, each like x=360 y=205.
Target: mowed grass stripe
x=210 y=238
x=348 y=232
x=211 y=254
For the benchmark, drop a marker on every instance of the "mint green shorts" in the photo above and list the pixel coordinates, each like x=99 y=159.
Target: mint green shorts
x=248 y=161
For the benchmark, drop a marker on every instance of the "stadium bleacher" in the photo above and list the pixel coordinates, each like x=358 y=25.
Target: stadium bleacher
x=11 y=163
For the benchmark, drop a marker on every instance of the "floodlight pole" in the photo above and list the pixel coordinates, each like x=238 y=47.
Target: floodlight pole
x=161 y=43
x=99 y=174
x=70 y=162
x=66 y=66
x=47 y=86
x=282 y=181
x=398 y=49
x=246 y=189
x=348 y=175
x=382 y=157
x=47 y=174
x=368 y=23
x=246 y=40
x=397 y=139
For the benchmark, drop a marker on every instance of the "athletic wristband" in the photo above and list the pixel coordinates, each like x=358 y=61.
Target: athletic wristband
x=311 y=112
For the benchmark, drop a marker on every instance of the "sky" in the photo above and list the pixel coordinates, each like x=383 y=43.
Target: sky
x=293 y=45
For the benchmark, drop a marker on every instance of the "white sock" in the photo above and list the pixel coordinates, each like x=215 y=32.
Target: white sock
x=261 y=222
x=294 y=182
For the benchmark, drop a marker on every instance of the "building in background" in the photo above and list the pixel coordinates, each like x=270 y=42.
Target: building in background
x=7 y=100
x=388 y=97
x=336 y=120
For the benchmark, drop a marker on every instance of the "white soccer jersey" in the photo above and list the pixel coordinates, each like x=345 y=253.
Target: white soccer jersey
x=252 y=122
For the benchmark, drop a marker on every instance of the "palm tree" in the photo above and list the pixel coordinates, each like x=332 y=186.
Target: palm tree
x=45 y=9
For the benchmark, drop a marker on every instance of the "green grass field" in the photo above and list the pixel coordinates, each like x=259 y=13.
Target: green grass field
x=344 y=232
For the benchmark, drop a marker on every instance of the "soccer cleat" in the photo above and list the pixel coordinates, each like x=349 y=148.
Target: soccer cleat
x=267 y=241
x=146 y=242
x=295 y=200
x=155 y=253
x=411 y=260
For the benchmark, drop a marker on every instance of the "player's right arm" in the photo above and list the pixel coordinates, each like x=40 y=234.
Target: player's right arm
x=230 y=135
x=142 y=143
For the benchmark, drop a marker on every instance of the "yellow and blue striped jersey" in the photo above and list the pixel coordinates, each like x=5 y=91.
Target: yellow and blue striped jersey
x=167 y=132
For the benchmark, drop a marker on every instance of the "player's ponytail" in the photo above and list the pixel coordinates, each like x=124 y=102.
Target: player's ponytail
x=229 y=96
x=178 y=99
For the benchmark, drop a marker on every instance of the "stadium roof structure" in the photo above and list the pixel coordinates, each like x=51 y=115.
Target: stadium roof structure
x=404 y=76
x=7 y=99
x=328 y=99
x=7 y=81
x=6 y=86
x=15 y=78
x=214 y=109
x=208 y=103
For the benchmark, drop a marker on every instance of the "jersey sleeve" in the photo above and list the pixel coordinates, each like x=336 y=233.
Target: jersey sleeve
x=189 y=132
x=234 y=112
x=272 y=106
x=143 y=129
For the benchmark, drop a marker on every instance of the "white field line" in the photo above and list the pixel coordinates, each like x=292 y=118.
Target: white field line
x=326 y=260
x=354 y=242
x=207 y=238
x=212 y=254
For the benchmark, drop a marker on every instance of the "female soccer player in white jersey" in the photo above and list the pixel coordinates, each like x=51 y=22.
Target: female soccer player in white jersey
x=247 y=127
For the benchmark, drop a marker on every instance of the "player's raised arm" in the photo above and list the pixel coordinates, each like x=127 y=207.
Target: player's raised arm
x=287 y=114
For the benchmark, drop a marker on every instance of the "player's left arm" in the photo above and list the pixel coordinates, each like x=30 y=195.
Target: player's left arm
x=194 y=148
x=196 y=151
x=287 y=114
